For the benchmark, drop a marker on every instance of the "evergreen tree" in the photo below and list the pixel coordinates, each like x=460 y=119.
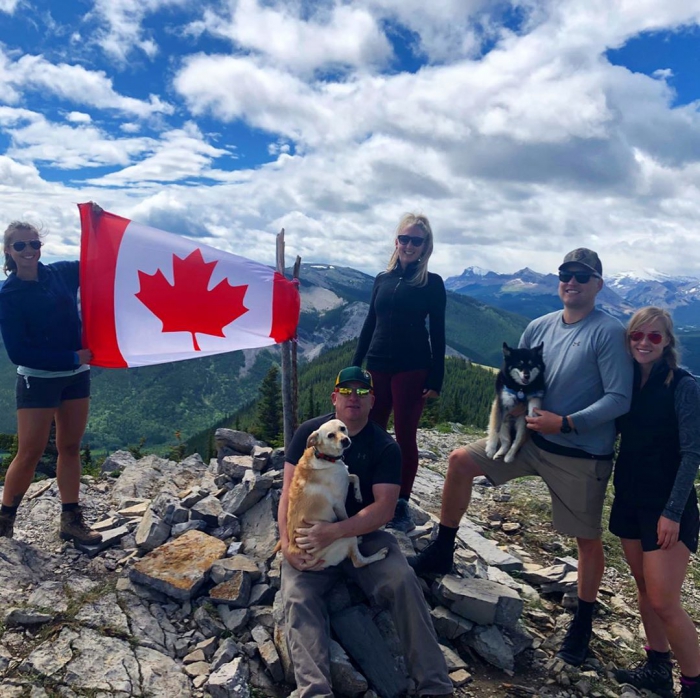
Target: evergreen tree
x=269 y=417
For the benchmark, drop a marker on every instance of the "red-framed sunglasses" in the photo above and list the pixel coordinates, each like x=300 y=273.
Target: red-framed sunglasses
x=653 y=337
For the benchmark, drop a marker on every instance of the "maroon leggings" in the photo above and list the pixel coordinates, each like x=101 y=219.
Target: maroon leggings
x=403 y=392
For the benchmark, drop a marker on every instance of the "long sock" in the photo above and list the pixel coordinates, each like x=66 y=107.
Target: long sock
x=12 y=511
x=446 y=535
x=661 y=656
x=584 y=613
x=72 y=506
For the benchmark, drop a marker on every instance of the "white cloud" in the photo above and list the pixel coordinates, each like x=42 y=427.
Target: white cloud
x=516 y=156
x=179 y=155
x=34 y=139
x=122 y=31
x=72 y=83
x=339 y=36
x=78 y=117
x=9 y=6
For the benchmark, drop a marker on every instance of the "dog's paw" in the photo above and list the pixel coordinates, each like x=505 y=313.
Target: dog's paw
x=510 y=457
x=491 y=451
x=500 y=453
x=382 y=553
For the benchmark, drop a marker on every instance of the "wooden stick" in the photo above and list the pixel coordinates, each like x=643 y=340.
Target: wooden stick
x=287 y=380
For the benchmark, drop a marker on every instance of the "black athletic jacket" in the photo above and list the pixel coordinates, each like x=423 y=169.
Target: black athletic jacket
x=653 y=444
x=394 y=337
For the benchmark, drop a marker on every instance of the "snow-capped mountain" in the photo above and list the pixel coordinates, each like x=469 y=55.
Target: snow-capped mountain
x=526 y=292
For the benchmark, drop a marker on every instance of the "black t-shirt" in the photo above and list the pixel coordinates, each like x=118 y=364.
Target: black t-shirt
x=373 y=456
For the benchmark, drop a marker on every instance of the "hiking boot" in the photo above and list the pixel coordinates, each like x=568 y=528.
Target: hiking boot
x=402 y=521
x=688 y=689
x=436 y=558
x=655 y=673
x=73 y=527
x=7 y=525
x=574 y=649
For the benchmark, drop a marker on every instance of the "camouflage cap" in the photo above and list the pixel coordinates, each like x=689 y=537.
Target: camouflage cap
x=354 y=374
x=584 y=257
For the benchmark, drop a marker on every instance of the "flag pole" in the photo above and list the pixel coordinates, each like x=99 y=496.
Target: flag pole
x=288 y=418
x=295 y=371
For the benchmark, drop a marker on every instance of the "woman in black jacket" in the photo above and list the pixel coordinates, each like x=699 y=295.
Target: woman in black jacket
x=41 y=330
x=406 y=360
x=655 y=511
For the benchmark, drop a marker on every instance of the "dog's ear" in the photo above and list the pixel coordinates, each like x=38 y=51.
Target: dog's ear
x=506 y=350
x=539 y=348
x=312 y=441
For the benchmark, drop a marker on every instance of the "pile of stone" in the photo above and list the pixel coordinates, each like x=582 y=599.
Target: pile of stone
x=182 y=596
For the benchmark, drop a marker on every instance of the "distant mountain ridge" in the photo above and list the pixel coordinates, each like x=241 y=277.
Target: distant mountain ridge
x=532 y=293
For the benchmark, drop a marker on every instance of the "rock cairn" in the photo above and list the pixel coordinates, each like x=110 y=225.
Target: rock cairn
x=182 y=598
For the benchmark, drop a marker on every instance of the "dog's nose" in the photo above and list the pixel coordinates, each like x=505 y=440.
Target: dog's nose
x=345 y=442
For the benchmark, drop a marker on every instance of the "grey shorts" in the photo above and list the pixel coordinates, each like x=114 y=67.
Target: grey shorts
x=577 y=485
x=33 y=392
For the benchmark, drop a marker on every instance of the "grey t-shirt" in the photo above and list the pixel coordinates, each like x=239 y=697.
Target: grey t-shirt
x=588 y=376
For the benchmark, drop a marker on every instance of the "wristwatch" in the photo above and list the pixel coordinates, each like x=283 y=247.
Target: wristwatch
x=565 y=426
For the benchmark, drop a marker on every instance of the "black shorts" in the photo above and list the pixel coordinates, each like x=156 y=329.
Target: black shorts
x=639 y=523
x=32 y=392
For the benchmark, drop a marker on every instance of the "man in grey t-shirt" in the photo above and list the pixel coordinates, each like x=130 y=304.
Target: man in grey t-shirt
x=588 y=377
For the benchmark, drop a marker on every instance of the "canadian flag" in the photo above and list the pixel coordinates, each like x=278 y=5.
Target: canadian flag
x=149 y=297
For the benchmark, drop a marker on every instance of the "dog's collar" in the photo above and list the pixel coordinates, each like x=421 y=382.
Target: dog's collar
x=323 y=456
x=522 y=395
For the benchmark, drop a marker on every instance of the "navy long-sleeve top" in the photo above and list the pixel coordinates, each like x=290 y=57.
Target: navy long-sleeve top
x=39 y=319
x=394 y=337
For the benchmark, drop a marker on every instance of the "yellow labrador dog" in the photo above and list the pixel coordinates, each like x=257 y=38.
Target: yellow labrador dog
x=318 y=492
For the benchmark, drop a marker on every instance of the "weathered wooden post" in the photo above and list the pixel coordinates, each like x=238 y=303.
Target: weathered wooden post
x=289 y=365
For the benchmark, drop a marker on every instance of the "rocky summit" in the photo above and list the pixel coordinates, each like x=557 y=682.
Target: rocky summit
x=182 y=598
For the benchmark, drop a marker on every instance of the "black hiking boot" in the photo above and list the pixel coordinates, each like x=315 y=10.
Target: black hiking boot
x=7 y=525
x=436 y=558
x=574 y=649
x=402 y=521
x=655 y=673
x=690 y=689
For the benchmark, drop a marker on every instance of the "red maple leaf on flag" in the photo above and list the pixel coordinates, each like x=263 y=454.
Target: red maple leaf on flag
x=187 y=305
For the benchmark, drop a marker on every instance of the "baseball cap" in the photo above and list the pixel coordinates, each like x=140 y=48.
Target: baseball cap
x=354 y=374
x=584 y=257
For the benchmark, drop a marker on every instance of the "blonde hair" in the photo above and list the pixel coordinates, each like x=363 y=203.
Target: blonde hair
x=409 y=220
x=650 y=314
x=9 y=266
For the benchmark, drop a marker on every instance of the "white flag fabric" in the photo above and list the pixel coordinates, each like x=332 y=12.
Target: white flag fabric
x=150 y=297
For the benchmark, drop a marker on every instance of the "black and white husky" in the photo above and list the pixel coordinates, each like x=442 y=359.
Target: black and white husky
x=520 y=380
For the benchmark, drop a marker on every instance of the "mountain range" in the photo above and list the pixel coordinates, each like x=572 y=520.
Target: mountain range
x=484 y=309
x=532 y=293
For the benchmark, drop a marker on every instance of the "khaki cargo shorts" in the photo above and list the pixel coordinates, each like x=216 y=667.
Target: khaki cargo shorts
x=577 y=485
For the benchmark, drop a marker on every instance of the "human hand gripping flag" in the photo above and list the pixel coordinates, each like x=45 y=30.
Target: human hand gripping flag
x=150 y=297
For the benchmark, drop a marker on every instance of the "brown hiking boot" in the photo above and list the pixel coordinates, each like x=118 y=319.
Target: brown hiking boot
x=7 y=525
x=74 y=528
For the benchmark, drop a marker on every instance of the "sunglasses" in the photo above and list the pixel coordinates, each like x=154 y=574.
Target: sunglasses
x=581 y=277
x=653 y=337
x=360 y=392
x=415 y=239
x=20 y=245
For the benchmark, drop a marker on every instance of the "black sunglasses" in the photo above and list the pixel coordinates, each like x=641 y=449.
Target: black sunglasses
x=581 y=277
x=20 y=245
x=415 y=239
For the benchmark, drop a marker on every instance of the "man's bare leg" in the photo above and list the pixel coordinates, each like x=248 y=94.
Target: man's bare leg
x=456 y=495
x=591 y=564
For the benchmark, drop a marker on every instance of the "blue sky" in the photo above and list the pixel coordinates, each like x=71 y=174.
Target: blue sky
x=522 y=129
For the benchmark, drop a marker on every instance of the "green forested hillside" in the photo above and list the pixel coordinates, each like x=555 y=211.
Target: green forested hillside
x=154 y=402
x=466 y=397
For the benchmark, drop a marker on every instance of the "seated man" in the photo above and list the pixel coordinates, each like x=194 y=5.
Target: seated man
x=376 y=459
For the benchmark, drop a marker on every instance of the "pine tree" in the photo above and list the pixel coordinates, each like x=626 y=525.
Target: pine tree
x=269 y=417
